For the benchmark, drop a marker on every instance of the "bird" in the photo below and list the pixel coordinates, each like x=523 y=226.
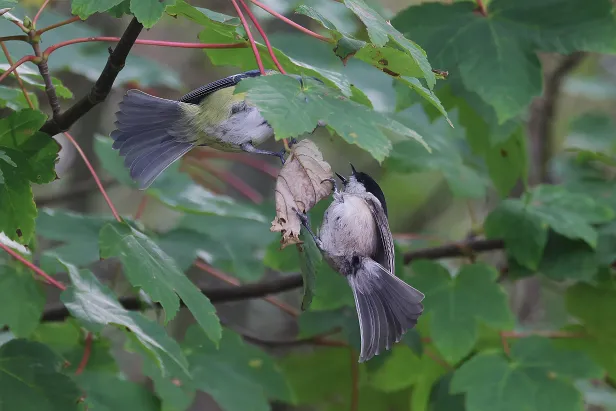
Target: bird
x=356 y=241
x=152 y=132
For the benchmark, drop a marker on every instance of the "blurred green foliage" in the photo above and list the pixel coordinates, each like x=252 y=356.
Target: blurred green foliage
x=441 y=95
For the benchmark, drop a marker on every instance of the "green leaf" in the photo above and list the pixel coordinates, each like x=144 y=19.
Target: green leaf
x=77 y=232
x=394 y=374
x=569 y=214
x=410 y=156
x=22 y=298
x=595 y=307
x=226 y=29
x=148 y=267
x=507 y=162
x=175 y=189
x=86 y=8
x=565 y=259
x=524 y=233
x=500 y=62
x=293 y=109
x=67 y=339
x=314 y=322
x=310 y=260
x=14 y=99
x=95 y=306
x=381 y=33
x=317 y=376
x=107 y=392
x=220 y=246
x=148 y=12
x=538 y=377
x=285 y=260
x=427 y=94
x=441 y=398
x=234 y=368
x=88 y=59
x=31 y=379
x=458 y=304
x=26 y=156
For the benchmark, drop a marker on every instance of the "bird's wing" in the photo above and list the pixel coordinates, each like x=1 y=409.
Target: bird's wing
x=197 y=95
x=385 y=254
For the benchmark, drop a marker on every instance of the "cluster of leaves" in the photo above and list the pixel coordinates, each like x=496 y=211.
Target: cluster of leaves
x=456 y=358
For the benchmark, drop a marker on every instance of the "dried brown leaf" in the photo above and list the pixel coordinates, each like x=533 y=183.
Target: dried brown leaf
x=300 y=186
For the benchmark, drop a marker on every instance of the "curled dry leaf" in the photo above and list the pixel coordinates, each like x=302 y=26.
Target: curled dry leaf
x=300 y=186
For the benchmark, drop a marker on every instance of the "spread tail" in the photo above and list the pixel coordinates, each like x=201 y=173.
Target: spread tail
x=386 y=307
x=151 y=135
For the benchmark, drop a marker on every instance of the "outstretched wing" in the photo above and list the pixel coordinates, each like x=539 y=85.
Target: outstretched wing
x=197 y=95
x=385 y=253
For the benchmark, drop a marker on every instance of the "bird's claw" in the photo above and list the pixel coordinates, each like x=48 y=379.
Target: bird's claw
x=303 y=217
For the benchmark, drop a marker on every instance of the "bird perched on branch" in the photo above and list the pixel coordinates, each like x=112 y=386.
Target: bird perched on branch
x=152 y=132
x=356 y=241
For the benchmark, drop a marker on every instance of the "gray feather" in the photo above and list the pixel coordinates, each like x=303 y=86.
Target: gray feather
x=151 y=135
x=387 y=307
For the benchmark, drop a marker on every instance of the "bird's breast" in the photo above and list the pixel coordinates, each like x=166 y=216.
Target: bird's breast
x=350 y=228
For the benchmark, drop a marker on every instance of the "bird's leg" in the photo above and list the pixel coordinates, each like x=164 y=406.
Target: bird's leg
x=303 y=217
x=249 y=148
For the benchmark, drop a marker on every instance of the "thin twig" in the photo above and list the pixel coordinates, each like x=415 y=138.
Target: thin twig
x=20 y=38
x=226 y=177
x=263 y=36
x=50 y=89
x=158 y=43
x=13 y=67
x=19 y=81
x=87 y=350
x=253 y=44
x=541 y=120
x=505 y=343
x=290 y=22
x=481 y=8
x=318 y=340
x=103 y=85
x=38 y=13
x=246 y=159
x=59 y=24
x=230 y=280
x=542 y=333
x=33 y=267
x=94 y=176
x=141 y=208
x=460 y=249
x=437 y=359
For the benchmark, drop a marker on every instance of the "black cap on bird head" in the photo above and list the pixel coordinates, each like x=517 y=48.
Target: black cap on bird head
x=369 y=183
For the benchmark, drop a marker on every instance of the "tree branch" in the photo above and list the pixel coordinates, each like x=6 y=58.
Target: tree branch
x=292 y=281
x=542 y=113
x=103 y=85
x=461 y=249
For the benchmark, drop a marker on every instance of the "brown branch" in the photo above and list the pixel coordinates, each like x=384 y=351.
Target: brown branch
x=541 y=121
x=102 y=87
x=461 y=249
x=50 y=89
x=292 y=281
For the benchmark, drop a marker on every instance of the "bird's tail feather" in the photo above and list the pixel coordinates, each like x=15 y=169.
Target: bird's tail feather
x=151 y=135
x=386 y=307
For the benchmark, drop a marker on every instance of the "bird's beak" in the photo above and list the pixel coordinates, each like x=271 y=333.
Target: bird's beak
x=353 y=168
x=344 y=181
